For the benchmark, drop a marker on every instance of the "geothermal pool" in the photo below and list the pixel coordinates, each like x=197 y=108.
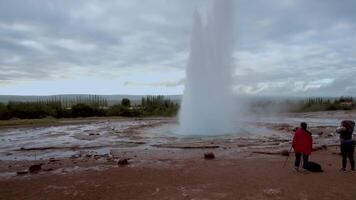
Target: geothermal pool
x=154 y=142
x=31 y=143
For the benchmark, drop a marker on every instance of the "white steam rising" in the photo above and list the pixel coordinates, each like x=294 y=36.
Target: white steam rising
x=208 y=100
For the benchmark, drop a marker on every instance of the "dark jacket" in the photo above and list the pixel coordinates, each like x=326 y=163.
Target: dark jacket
x=346 y=133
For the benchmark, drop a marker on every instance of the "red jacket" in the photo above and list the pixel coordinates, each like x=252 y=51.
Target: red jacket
x=302 y=142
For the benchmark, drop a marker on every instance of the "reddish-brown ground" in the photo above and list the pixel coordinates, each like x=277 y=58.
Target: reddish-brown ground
x=222 y=178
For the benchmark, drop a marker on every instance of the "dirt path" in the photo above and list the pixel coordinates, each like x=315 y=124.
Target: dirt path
x=249 y=178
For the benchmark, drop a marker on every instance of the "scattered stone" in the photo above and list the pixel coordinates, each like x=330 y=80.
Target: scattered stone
x=330 y=135
x=97 y=157
x=53 y=160
x=22 y=172
x=271 y=192
x=35 y=168
x=48 y=170
x=322 y=147
x=75 y=156
x=209 y=155
x=123 y=161
x=38 y=148
x=267 y=152
x=186 y=146
x=285 y=153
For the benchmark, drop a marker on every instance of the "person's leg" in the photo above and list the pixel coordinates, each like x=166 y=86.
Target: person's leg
x=297 y=160
x=305 y=161
x=344 y=155
x=350 y=154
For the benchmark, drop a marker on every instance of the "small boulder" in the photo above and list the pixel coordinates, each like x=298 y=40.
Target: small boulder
x=123 y=161
x=22 y=172
x=35 y=168
x=285 y=153
x=53 y=160
x=209 y=155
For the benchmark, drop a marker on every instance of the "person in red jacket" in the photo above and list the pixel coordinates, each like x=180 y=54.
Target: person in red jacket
x=302 y=145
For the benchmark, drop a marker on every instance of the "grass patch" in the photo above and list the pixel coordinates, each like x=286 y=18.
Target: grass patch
x=27 y=122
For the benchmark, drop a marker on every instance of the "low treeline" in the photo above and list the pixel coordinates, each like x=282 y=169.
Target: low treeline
x=302 y=105
x=325 y=104
x=149 y=106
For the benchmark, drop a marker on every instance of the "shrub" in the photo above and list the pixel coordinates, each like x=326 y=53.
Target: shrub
x=81 y=110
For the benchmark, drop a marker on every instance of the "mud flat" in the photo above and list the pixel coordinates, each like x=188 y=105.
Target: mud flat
x=80 y=161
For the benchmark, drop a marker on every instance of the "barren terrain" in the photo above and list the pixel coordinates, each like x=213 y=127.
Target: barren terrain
x=80 y=161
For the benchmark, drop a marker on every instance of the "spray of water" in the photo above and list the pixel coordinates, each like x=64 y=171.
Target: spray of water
x=207 y=100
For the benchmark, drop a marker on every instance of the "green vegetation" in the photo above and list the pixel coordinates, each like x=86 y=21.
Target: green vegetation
x=323 y=104
x=90 y=106
x=158 y=106
x=30 y=122
x=302 y=105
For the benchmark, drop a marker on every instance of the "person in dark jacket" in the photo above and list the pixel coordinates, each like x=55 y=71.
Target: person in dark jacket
x=347 y=145
x=302 y=145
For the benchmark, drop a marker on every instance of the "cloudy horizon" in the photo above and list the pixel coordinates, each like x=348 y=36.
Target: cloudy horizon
x=282 y=48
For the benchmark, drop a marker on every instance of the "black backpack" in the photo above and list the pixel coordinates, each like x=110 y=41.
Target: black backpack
x=314 y=167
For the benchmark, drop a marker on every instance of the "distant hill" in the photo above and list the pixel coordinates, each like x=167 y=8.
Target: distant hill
x=112 y=99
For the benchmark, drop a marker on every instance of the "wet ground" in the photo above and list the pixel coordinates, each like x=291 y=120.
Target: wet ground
x=151 y=142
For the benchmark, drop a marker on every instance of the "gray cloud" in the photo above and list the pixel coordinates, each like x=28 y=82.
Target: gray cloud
x=174 y=83
x=283 y=47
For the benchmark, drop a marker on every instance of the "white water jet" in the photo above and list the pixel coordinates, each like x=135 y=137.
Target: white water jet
x=208 y=100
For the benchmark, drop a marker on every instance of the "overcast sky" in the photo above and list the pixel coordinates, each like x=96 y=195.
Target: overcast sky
x=283 y=47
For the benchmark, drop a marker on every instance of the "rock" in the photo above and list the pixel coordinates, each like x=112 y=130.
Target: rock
x=53 y=160
x=75 y=156
x=209 y=155
x=330 y=135
x=22 y=172
x=35 y=168
x=272 y=192
x=322 y=147
x=285 y=153
x=123 y=161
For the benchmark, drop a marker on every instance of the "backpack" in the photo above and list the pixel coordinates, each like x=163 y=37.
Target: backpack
x=314 y=167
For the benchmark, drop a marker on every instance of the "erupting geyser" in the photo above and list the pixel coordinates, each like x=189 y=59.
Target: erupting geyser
x=207 y=100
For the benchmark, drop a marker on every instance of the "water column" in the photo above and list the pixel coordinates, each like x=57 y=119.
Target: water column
x=207 y=101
